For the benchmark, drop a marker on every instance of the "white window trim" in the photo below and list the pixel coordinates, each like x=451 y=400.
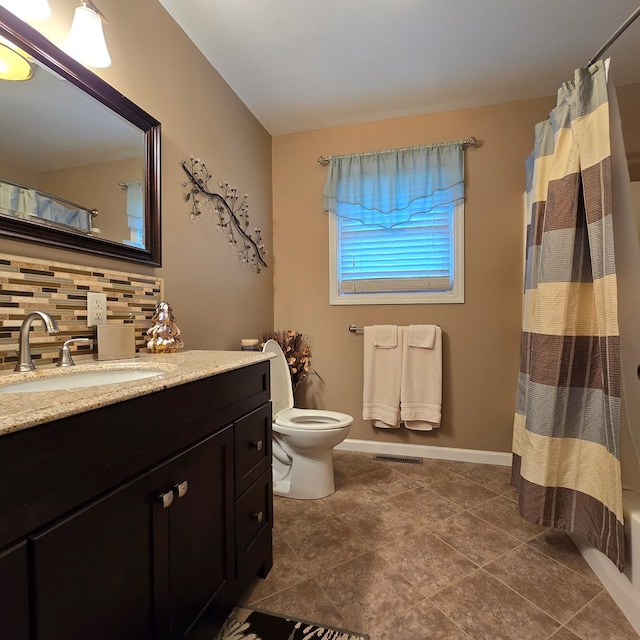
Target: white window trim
x=455 y=296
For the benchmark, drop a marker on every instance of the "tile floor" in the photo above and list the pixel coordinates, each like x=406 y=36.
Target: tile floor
x=434 y=551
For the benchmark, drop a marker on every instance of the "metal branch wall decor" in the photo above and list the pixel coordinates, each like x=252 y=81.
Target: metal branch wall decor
x=230 y=210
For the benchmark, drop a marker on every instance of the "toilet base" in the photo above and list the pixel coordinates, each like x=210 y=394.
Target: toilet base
x=308 y=477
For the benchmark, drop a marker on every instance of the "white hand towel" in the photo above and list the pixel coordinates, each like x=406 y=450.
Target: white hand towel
x=385 y=336
x=422 y=335
x=381 y=378
x=421 y=387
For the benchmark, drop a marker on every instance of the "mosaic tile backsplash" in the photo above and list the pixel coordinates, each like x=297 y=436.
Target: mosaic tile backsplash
x=60 y=289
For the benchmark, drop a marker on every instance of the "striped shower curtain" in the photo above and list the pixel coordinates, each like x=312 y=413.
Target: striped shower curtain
x=566 y=461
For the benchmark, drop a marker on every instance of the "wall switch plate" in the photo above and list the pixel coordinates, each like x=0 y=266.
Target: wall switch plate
x=96 y=308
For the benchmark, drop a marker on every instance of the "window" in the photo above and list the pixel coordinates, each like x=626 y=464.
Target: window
x=397 y=247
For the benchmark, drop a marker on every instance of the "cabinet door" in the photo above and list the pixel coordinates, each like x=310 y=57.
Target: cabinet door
x=94 y=571
x=201 y=530
x=14 y=594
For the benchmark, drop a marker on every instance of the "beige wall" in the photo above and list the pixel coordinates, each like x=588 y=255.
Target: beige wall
x=481 y=336
x=629 y=103
x=216 y=299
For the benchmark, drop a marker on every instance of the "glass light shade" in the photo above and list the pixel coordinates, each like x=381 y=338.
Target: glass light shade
x=13 y=65
x=85 y=41
x=28 y=9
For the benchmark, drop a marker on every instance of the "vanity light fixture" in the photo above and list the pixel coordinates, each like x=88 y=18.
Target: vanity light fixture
x=85 y=41
x=28 y=9
x=13 y=63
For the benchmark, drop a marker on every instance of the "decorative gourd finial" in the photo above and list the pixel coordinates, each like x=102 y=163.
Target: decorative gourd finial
x=164 y=333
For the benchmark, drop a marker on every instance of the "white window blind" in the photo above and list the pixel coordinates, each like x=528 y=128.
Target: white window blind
x=416 y=262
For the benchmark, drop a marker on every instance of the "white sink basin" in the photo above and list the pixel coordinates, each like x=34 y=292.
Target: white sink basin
x=80 y=380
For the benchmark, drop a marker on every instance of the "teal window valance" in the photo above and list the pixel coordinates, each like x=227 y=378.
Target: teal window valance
x=388 y=188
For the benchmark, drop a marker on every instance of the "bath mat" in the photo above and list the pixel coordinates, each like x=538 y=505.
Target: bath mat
x=251 y=624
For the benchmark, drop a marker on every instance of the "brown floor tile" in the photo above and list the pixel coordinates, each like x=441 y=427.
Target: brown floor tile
x=352 y=497
x=559 y=546
x=503 y=513
x=564 y=634
x=432 y=524
x=326 y=545
x=602 y=620
x=377 y=526
x=462 y=491
x=290 y=514
x=424 y=505
x=419 y=623
x=287 y=571
x=305 y=600
x=426 y=562
x=427 y=472
x=478 y=540
x=366 y=590
x=488 y=610
x=387 y=482
x=458 y=466
x=351 y=463
x=491 y=476
x=551 y=586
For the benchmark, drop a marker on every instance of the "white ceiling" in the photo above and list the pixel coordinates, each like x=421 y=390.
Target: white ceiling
x=300 y=65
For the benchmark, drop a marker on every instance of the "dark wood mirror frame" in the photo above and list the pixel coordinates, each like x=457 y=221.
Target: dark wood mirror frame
x=37 y=46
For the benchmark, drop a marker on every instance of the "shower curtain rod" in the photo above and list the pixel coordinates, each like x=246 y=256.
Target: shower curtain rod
x=472 y=141
x=614 y=36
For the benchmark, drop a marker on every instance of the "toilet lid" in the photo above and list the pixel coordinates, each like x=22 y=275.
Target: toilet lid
x=281 y=389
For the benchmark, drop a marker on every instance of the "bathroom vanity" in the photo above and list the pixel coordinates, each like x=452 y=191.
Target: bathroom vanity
x=143 y=510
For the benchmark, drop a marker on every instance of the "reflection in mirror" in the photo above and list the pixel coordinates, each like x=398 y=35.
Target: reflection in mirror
x=79 y=162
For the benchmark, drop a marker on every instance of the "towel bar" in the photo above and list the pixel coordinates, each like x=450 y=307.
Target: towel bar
x=355 y=329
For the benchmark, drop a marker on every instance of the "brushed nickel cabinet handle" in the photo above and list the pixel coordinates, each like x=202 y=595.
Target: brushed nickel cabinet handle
x=257 y=516
x=166 y=499
x=181 y=488
x=258 y=445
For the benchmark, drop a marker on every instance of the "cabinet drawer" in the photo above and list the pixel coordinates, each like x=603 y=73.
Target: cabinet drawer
x=254 y=512
x=252 y=444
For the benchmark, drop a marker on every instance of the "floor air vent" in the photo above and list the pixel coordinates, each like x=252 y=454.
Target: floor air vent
x=406 y=459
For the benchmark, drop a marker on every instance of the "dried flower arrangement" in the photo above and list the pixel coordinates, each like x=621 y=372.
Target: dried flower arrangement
x=297 y=352
x=231 y=211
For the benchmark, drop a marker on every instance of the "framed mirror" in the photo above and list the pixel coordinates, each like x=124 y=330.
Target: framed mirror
x=79 y=162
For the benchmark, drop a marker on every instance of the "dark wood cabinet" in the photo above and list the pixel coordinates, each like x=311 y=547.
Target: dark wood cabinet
x=94 y=570
x=158 y=550
x=14 y=595
x=201 y=531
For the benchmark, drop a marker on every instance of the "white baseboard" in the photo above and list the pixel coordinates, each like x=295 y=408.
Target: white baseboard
x=427 y=451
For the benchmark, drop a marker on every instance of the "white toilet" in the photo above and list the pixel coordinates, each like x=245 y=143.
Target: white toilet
x=303 y=439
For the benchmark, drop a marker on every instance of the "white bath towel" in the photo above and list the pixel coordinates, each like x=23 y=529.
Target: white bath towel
x=421 y=387
x=382 y=371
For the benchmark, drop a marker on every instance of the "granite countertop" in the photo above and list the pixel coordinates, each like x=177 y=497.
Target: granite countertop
x=23 y=410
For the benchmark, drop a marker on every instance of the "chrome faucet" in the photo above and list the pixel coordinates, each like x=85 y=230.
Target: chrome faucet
x=24 y=350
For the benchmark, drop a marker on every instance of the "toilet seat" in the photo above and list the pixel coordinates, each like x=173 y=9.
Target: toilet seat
x=312 y=419
x=284 y=413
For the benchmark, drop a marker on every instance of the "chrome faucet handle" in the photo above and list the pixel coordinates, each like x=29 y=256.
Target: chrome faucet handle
x=64 y=358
